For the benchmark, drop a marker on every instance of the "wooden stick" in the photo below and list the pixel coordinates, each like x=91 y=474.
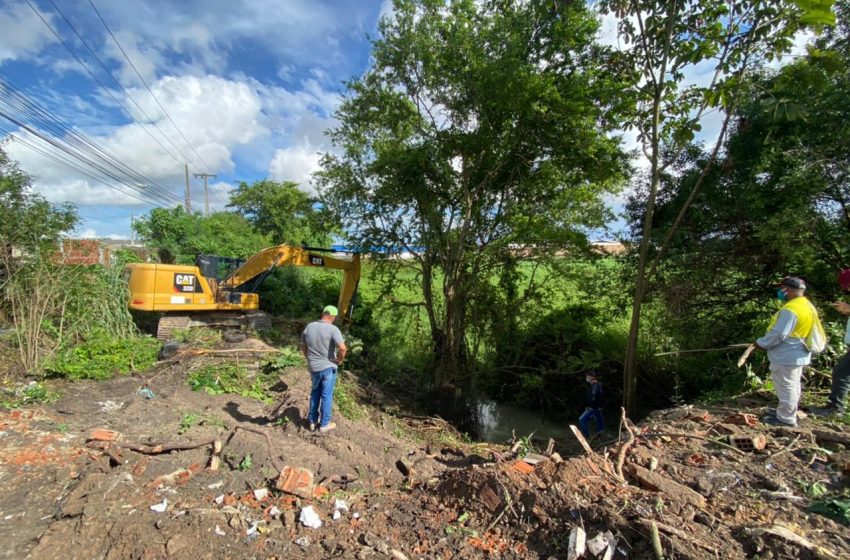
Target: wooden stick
x=621 y=453
x=153 y=449
x=786 y=449
x=681 y=534
x=693 y=436
x=580 y=437
x=742 y=345
x=656 y=540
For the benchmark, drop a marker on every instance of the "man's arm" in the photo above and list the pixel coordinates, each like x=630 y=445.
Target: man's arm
x=304 y=349
x=781 y=330
x=341 y=351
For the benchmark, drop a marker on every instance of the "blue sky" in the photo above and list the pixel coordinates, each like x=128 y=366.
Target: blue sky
x=251 y=85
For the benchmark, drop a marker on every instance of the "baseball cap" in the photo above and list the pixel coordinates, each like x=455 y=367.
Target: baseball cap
x=844 y=278
x=330 y=310
x=793 y=282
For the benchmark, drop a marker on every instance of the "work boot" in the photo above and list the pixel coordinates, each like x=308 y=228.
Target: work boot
x=328 y=428
x=828 y=410
x=774 y=421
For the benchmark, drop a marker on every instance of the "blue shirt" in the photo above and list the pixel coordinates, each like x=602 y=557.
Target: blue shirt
x=781 y=348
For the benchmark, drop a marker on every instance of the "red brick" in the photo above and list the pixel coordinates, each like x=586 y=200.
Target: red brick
x=523 y=467
x=102 y=434
x=296 y=481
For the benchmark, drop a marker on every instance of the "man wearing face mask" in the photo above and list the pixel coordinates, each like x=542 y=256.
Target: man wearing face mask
x=786 y=348
x=841 y=369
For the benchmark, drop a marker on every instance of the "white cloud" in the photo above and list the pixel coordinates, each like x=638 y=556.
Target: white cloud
x=91 y=233
x=295 y=163
x=23 y=33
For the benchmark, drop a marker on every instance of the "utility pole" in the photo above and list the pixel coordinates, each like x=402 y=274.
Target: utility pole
x=132 y=233
x=188 y=203
x=206 y=190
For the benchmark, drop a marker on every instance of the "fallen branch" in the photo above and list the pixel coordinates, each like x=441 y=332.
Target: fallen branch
x=693 y=436
x=150 y=449
x=785 y=449
x=580 y=437
x=203 y=352
x=621 y=453
x=656 y=540
x=792 y=537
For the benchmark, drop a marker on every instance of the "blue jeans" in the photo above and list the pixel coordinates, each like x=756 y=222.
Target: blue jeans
x=322 y=395
x=596 y=414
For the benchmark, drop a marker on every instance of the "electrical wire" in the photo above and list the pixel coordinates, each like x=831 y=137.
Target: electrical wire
x=104 y=86
x=18 y=109
x=133 y=66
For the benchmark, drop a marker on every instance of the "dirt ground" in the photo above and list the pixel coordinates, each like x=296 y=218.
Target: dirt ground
x=409 y=489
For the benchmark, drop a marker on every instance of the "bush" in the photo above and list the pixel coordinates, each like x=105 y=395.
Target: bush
x=218 y=379
x=102 y=355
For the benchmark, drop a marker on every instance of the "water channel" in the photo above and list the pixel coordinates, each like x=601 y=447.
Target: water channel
x=494 y=422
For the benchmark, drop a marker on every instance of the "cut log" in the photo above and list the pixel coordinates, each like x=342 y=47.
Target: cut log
x=658 y=483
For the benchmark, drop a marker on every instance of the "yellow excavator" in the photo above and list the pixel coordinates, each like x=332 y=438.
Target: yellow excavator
x=221 y=292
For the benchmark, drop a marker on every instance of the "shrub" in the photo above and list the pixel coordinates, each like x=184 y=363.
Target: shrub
x=102 y=355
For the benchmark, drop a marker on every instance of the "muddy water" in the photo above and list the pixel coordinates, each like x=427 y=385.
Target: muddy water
x=495 y=421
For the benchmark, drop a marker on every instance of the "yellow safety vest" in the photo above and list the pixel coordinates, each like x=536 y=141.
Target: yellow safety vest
x=805 y=312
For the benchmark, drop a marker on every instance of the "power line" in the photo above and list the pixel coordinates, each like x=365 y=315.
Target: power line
x=104 y=86
x=133 y=66
x=97 y=161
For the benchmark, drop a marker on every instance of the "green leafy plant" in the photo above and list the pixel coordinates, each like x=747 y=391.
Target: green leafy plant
x=197 y=337
x=247 y=463
x=837 y=509
x=102 y=355
x=29 y=394
x=229 y=378
x=289 y=356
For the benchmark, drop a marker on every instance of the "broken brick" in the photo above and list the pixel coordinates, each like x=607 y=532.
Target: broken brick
x=523 y=467
x=741 y=419
x=102 y=434
x=295 y=481
x=320 y=492
x=489 y=497
x=748 y=443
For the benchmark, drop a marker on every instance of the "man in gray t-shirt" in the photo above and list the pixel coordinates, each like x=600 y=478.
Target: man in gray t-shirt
x=324 y=348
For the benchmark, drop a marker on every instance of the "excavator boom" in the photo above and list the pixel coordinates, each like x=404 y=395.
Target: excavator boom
x=250 y=275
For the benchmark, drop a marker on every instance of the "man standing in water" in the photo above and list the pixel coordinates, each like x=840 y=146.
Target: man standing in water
x=324 y=348
x=594 y=405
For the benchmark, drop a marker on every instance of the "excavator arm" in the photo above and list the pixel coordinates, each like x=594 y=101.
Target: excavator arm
x=250 y=275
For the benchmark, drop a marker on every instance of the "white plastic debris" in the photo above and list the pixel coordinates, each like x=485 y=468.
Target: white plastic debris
x=274 y=512
x=219 y=532
x=303 y=542
x=309 y=518
x=261 y=493
x=109 y=406
x=252 y=529
x=160 y=507
x=340 y=505
x=576 y=548
x=219 y=499
x=356 y=515
x=215 y=485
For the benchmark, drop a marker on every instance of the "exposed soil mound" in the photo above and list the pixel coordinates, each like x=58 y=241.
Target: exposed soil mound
x=91 y=476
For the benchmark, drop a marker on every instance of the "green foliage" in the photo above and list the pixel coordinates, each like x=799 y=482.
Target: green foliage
x=101 y=355
x=289 y=356
x=27 y=220
x=836 y=509
x=299 y=292
x=345 y=400
x=247 y=463
x=190 y=419
x=283 y=212
x=197 y=337
x=32 y=393
x=178 y=236
x=479 y=127
x=219 y=379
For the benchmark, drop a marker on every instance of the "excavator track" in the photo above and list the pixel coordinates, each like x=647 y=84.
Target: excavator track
x=224 y=321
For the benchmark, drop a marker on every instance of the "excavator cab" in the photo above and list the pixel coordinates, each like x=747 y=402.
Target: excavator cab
x=221 y=291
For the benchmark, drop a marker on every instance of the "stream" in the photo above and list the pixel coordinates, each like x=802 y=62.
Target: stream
x=494 y=422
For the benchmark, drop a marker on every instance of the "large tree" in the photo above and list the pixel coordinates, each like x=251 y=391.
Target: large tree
x=478 y=134
x=177 y=236
x=284 y=212
x=664 y=40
